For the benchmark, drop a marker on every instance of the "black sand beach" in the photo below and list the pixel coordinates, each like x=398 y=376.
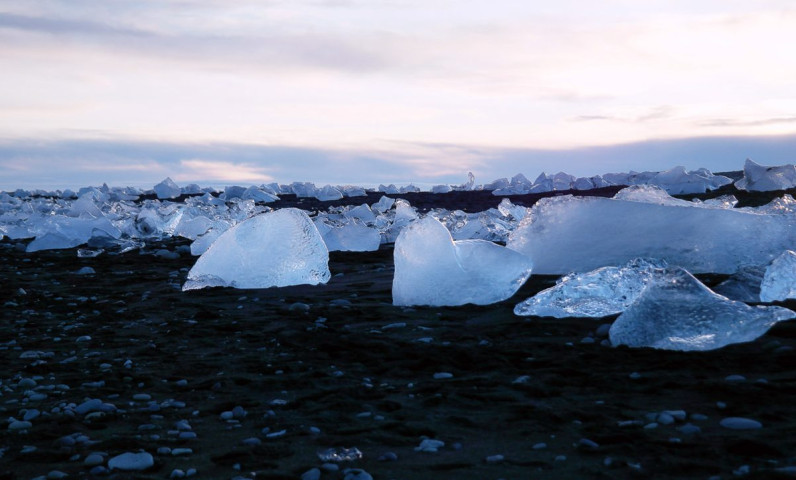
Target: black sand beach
x=336 y=365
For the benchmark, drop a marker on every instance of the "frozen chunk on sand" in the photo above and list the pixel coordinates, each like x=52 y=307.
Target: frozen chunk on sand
x=577 y=234
x=779 y=281
x=167 y=189
x=678 y=312
x=352 y=237
x=270 y=250
x=760 y=178
x=433 y=269
x=602 y=292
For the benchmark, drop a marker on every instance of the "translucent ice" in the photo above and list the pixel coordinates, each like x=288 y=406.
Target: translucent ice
x=327 y=193
x=743 y=285
x=167 y=189
x=566 y=234
x=602 y=292
x=678 y=312
x=433 y=269
x=779 y=281
x=352 y=237
x=67 y=232
x=677 y=181
x=762 y=178
x=270 y=250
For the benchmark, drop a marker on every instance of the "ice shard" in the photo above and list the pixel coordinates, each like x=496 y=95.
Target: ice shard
x=779 y=281
x=758 y=177
x=274 y=249
x=602 y=292
x=577 y=234
x=433 y=269
x=678 y=312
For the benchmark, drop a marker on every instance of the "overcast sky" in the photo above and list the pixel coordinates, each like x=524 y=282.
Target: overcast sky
x=392 y=91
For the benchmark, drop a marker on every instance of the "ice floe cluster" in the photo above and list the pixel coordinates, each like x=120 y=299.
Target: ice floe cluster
x=631 y=255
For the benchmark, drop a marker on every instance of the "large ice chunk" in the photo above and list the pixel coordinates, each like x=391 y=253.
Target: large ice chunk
x=758 y=177
x=66 y=232
x=678 y=181
x=167 y=189
x=433 y=269
x=779 y=281
x=602 y=292
x=352 y=237
x=576 y=234
x=270 y=250
x=678 y=312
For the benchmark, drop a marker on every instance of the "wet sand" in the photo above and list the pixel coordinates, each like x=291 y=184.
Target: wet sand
x=337 y=365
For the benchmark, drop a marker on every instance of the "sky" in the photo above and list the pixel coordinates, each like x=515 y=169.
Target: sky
x=242 y=92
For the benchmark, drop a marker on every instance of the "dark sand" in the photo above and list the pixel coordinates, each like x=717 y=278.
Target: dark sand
x=250 y=347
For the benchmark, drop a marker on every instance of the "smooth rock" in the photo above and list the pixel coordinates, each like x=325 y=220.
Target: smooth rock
x=131 y=461
x=740 y=423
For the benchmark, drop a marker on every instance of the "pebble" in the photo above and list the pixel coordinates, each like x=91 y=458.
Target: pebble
x=665 y=419
x=740 y=423
x=131 y=461
x=589 y=444
x=251 y=441
x=19 y=425
x=181 y=451
x=494 y=459
x=56 y=475
x=177 y=473
x=689 y=429
x=539 y=446
x=330 y=467
x=429 y=445
x=734 y=378
x=93 y=460
x=31 y=414
x=142 y=397
x=311 y=474
x=442 y=375
x=388 y=457
x=26 y=382
x=356 y=474
x=88 y=406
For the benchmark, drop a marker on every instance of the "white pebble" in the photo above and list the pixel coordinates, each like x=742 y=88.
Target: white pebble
x=131 y=461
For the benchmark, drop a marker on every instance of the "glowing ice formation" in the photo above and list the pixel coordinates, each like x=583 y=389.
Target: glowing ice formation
x=779 y=281
x=678 y=312
x=602 y=292
x=576 y=234
x=758 y=177
x=433 y=269
x=274 y=249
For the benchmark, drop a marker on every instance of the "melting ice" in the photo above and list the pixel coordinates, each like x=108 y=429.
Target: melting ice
x=433 y=269
x=270 y=250
x=677 y=312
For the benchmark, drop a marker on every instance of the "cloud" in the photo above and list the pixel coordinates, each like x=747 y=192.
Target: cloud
x=221 y=171
x=732 y=122
x=74 y=164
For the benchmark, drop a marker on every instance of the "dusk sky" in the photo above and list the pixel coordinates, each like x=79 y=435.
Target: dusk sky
x=397 y=91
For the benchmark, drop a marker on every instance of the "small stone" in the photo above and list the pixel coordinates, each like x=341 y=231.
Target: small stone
x=740 y=423
x=429 y=445
x=56 y=475
x=356 y=474
x=388 y=457
x=735 y=378
x=311 y=474
x=142 y=397
x=17 y=425
x=665 y=419
x=588 y=444
x=238 y=412
x=539 y=446
x=494 y=459
x=442 y=375
x=26 y=383
x=186 y=435
x=330 y=467
x=177 y=473
x=689 y=429
x=131 y=461
x=93 y=460
x=251 y=442
x=88 y=406
x=177 y=452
